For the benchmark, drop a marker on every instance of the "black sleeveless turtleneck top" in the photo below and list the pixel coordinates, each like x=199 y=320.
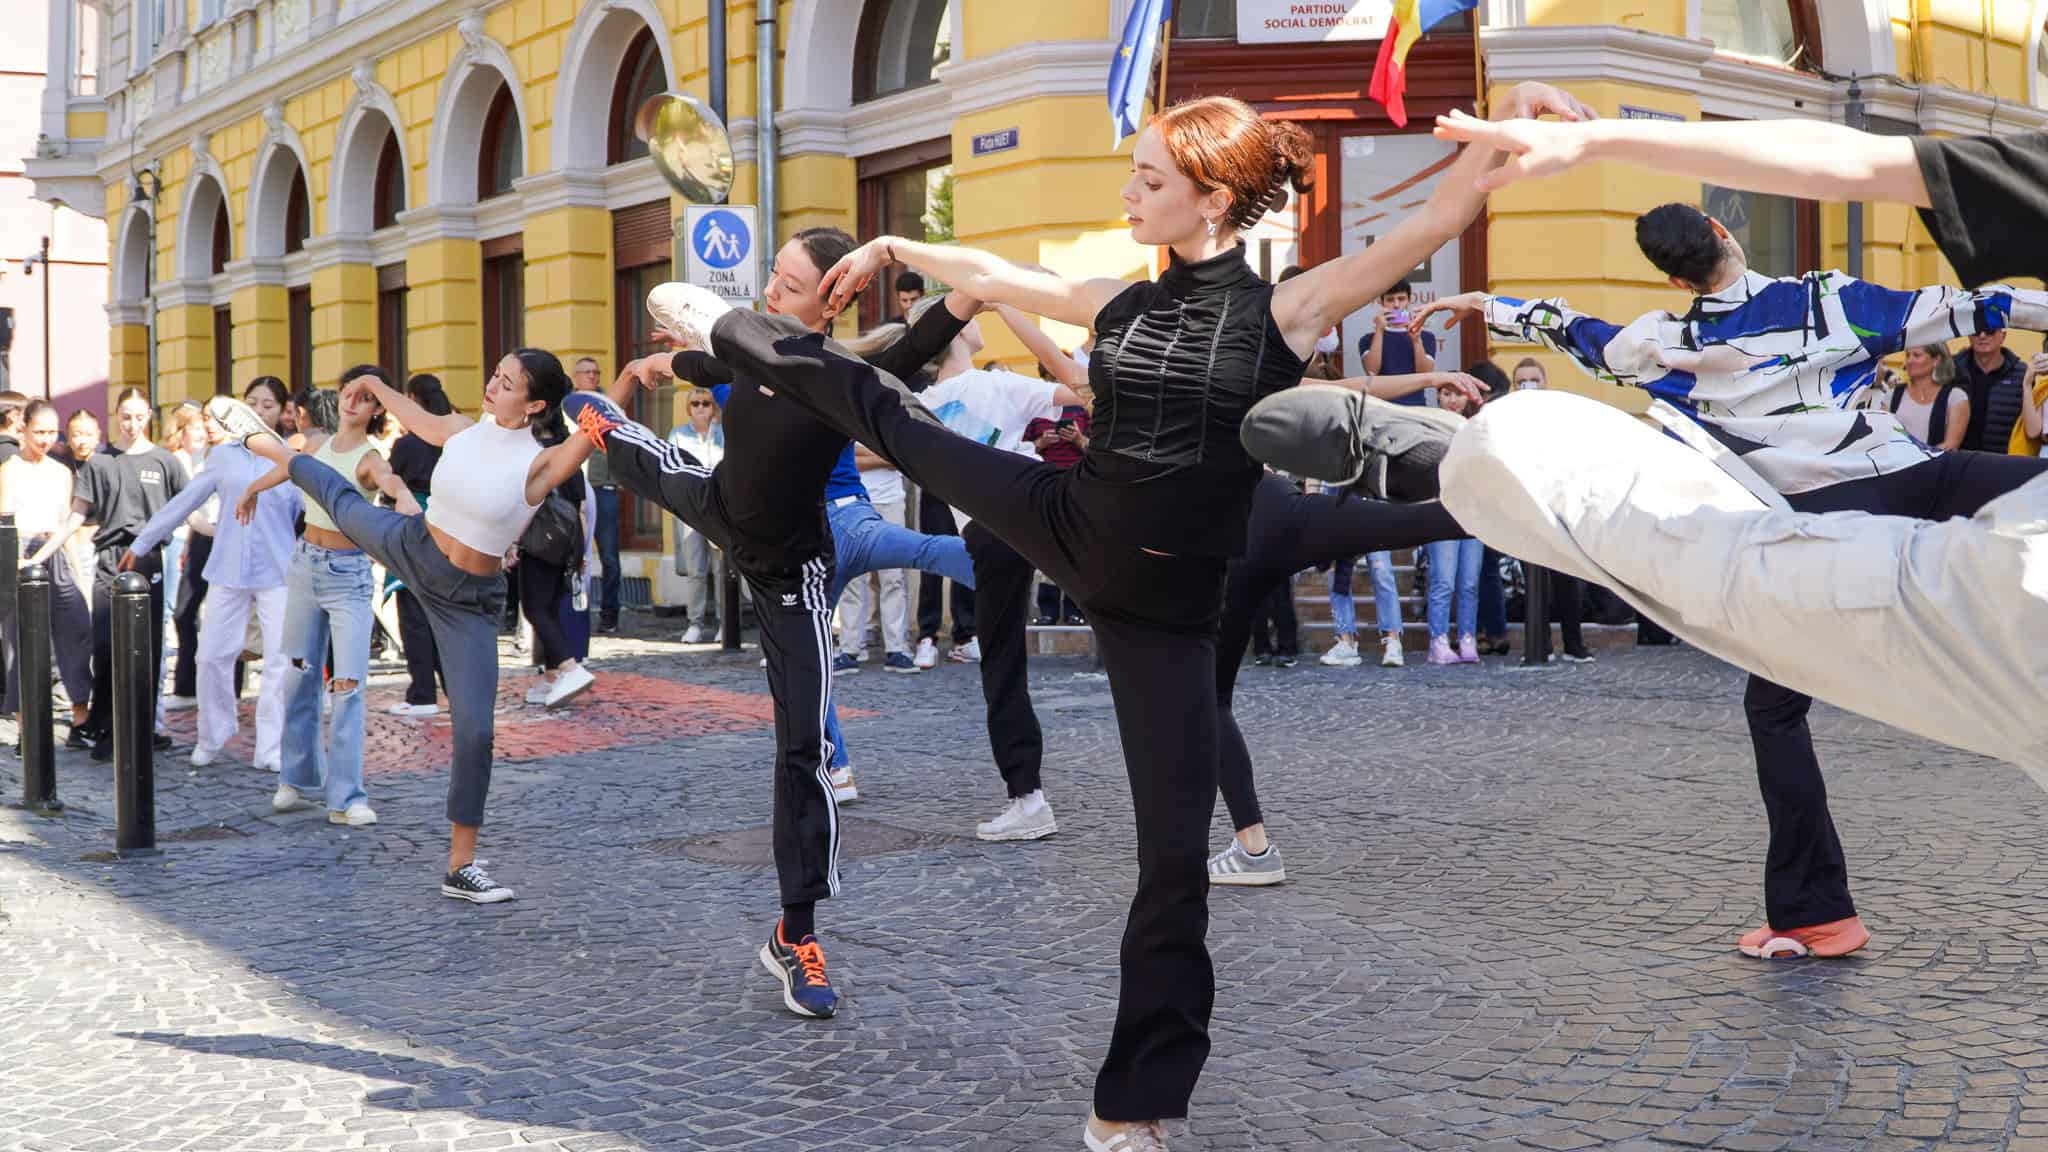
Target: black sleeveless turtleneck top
x=1177 y=364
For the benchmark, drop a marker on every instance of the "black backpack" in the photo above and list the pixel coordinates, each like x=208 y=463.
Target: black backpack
x=555 y=534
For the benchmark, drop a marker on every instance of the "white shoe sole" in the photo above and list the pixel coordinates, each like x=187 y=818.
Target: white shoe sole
x=1039 y=832
x=494 y=896
x=782 y=978
x=347 y=821
x=1248 y=879
x=573 y=693
x=844 y=795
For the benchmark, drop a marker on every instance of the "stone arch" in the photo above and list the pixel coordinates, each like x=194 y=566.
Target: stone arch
x=2037 y=95
x=1857 y=37
x=590 y=69
x=280 y=157
x=471 y=80
x=372 y=117
x=817 y=72
x=205 y=203
x=132 y=256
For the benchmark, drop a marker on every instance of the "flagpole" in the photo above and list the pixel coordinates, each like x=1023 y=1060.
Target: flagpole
x=1478 y=67
x=1165 y=55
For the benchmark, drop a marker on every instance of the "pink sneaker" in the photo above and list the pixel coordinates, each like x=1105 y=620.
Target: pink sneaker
x=1468 y=651
x=1440 y=651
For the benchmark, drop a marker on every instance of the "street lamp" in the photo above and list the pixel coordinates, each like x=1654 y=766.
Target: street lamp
x=147 y=193
x=28 y=268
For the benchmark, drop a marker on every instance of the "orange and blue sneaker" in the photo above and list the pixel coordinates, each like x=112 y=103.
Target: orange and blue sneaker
x=801 y=968
x=1834 y=938
x=594 y=415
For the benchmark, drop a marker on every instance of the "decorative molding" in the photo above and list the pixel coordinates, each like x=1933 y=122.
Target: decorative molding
x=459 y=113
x=254 y=274
x=298 y=270
x=1595 y=51
x=905 y=118
x=501 y=215
x=809 y=131
x=183 y=293
x=746 y=141
x=550 y=191
x=634 y=182
x=1954 y=111
x=387 y=245
x=352 y=170
x=1742 y=90
x=438 y=222
x=1027 y=72
x=338 y=248
x=127 y=312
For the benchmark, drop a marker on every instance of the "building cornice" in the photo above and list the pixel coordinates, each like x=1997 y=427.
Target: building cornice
x=1595 y=51
x=255 y=274
x=120 y=312
x=183 y=293
x=438 y=222
x=634 y=182
x=553 y=191
x=337 y=248
x=1028 y=72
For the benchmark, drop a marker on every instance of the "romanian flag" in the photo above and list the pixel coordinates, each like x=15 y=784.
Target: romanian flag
x=1411 y=19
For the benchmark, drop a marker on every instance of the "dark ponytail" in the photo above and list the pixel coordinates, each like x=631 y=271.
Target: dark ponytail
x=547 y=383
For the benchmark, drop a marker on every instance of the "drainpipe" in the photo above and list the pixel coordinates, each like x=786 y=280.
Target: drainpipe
x=715 y=43
x=1852 y=115
x=765 y=149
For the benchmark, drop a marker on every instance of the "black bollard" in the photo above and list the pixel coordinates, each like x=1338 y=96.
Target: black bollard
x=10 y=559
x=38 y=745
x=134 y=718
x=1535 y=615
x=729 y=605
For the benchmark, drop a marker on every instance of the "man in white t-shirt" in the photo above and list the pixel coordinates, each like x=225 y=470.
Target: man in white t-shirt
x=993 y=407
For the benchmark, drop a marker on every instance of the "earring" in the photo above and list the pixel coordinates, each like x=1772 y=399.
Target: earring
x=1212 y=226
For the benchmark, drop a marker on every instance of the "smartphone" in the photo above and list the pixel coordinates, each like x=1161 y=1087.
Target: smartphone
x=1398 y=319
x=1063 y=425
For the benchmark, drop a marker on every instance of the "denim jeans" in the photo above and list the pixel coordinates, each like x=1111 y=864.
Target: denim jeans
x=1343 y=609
x=327 y=591
x=1454 y=566
x=864 y=542
x=1493 y=604
x=1386 y=599
x=610 y=577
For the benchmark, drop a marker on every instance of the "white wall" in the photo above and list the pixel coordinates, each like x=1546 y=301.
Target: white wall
x=78 y=244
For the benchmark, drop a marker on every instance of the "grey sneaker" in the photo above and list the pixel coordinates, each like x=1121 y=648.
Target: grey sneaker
x=1234 y=865
x=238 y=419
x=1383 y=450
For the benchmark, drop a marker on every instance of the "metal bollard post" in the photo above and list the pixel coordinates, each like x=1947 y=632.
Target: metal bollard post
x=10 y=559
x=1535 y=615
x=38 y=744
x=134 y=718
x=729 y=605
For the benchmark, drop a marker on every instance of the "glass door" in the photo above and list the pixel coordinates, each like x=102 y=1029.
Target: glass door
x=1382 y=180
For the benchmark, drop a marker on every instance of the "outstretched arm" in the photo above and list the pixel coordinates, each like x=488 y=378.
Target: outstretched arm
x=80 y=509
x=377 y=472
x=171 y=515
x=553 y=467
x=1395 y=387
x=981 y=276
x=1320 y=298
x=435 y=430
x=1064 y=368
x=1810 y=159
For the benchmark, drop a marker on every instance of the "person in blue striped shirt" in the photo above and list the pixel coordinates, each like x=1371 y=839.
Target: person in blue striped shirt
x=1775 y=370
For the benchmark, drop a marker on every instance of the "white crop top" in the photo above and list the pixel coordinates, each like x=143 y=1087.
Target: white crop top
x=479 y=494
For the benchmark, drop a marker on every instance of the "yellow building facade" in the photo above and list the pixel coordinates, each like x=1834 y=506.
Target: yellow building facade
x=296 y=186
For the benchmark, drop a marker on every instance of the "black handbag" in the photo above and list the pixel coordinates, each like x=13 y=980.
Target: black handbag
x=555 y=534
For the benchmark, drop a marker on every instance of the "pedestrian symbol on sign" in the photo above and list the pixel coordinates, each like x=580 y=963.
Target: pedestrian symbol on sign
x=720 y=239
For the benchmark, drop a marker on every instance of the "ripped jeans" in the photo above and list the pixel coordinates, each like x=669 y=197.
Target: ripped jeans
x=327 y=592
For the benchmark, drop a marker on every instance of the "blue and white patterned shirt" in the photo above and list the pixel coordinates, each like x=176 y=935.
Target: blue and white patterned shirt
x=1777 y=369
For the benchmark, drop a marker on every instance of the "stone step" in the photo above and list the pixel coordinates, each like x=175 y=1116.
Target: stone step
x=1316 y=636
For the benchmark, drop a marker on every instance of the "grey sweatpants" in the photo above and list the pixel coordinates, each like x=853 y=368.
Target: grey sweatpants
x=462 y=608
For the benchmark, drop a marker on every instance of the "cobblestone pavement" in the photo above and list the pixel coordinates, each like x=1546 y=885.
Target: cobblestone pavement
x=1508 y=924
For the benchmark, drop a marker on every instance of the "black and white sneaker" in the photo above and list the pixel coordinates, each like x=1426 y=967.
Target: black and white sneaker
x=1383 y=450
x=471 y=883
x=238 y=419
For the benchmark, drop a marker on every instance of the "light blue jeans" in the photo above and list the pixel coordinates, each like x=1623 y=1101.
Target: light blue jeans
x=1454 y=565
x=1386 y=599
x=863 y=542
x=327 y=592
x=1343 y=609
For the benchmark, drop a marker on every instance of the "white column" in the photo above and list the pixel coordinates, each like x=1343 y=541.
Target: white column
x=63 y=58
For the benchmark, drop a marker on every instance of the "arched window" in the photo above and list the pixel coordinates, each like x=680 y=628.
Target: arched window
x=221 y=238
x=1786 y=33
x=298 y=213
x=901 y=43
x=390 y=190
x=640 y=80
x=503 y=158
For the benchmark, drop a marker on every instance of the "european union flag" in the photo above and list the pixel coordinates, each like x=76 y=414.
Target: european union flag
x=1130 y=73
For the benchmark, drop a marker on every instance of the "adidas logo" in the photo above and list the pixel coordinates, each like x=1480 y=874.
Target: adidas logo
x=789 y=599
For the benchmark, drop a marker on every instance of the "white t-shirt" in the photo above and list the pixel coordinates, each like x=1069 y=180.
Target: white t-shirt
x=884 y=485
x=38 y=495
x=991 y=407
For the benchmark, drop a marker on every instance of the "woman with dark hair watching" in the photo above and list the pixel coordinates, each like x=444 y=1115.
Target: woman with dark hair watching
x=244 y=570
x=35 y=489
x=119 y=492
x=498 y=473
x=414 y=459
x=1141 y=531
x=328 y=598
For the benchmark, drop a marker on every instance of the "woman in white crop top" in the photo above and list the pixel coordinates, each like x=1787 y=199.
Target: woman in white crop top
x=493 y=474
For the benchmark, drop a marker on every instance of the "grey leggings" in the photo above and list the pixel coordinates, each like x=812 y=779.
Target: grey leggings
x=461 y=607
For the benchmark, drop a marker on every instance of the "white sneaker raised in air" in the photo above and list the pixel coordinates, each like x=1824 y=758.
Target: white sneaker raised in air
x=1027 y=818
x=686 y=311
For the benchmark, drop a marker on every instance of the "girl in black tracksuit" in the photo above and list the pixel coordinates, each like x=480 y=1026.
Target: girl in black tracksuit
x=1140 y=532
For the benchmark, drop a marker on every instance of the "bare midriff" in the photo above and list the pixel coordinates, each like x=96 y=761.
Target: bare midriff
x=464 y=557
x=329 y=539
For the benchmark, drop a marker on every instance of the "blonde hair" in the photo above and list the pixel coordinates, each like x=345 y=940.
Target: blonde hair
x=183 y=417
x=1944 y=364
x=717 y=413
x=1531 y=362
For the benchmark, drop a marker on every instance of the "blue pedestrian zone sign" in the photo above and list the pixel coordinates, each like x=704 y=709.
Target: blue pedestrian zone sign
x=722 y=253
